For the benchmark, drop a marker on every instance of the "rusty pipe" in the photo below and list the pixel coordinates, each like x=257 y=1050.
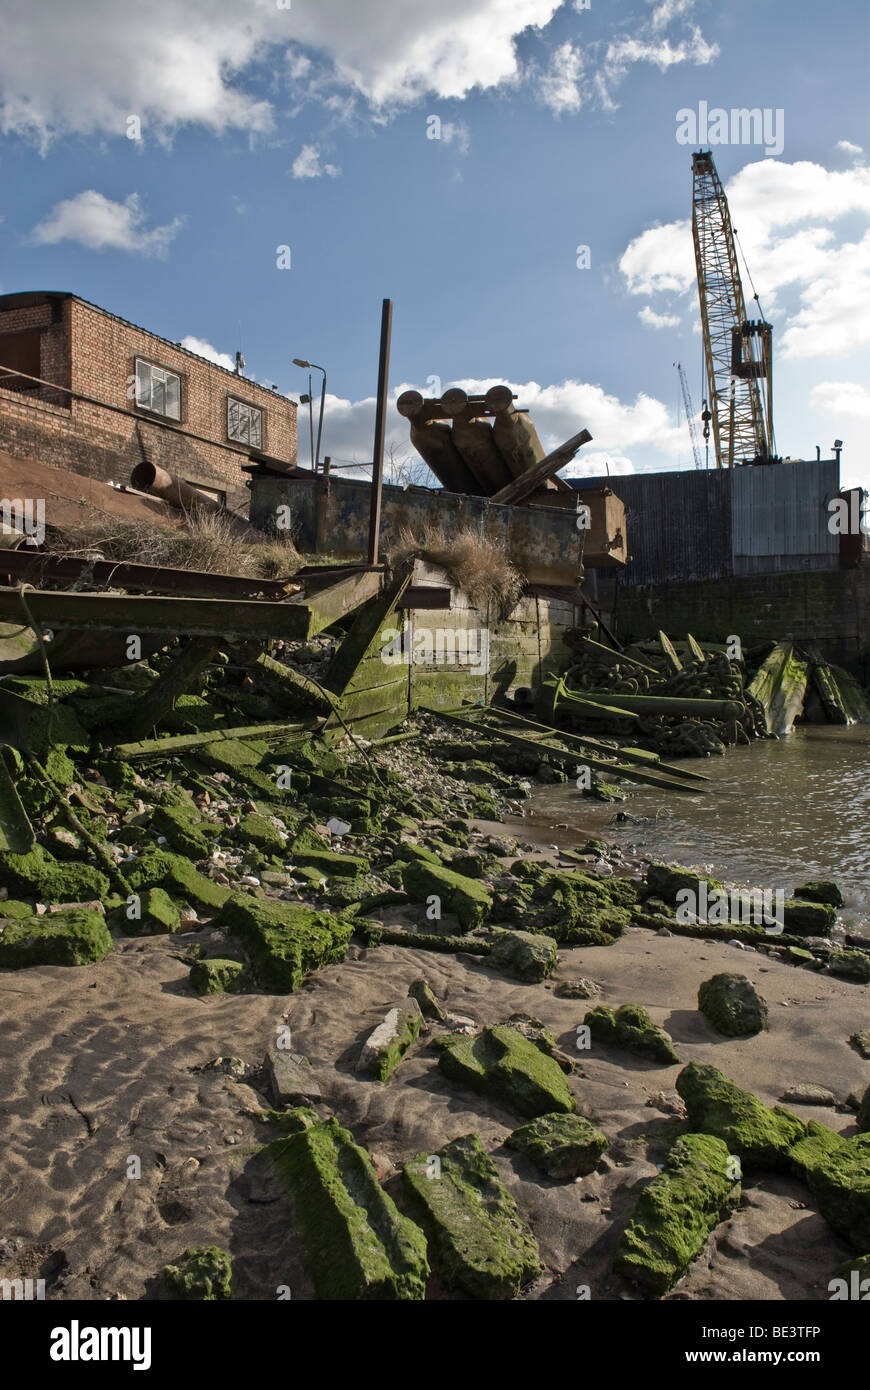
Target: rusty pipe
x=147 y=477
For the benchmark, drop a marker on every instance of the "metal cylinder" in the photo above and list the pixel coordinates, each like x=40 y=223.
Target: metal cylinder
x=474 y=440
x=517 y=440
x=147 y=477
x=434 y=443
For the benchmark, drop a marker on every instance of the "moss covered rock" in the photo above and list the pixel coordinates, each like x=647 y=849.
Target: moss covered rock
x=761 y=1137
x=160 y=868
x=483 y=1247
x=77 y=937
x=463 y=896
x=524 y=955
x=219 y=975
x=667 y=880
x=151 y=913
x=424 y=994
x=820 y=890
x=182 y=827
x=358 y=1245
x=631 y=1027
x=37 y=875
x=203 y=1272
x=837 y=1172
x=732 y=1005
x=562 y=1146
x=808 y=919
x=387 y=1044
x=284 y=941
x=852 y=965
x=676 y=1213
x=255 y=829
x=329 y=864
x=504 y=1064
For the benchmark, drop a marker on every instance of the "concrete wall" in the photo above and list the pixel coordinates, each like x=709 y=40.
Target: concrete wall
x=331 y=517
x=830 y=607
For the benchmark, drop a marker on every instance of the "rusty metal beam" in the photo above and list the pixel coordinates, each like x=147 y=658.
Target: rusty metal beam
x=520 y=488
x=37 y=568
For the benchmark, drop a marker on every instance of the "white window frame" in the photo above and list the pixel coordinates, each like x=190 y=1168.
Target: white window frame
x=243 y=423
x=154 y=388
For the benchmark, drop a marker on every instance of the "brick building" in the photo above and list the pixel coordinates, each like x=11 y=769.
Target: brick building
x=119 y=394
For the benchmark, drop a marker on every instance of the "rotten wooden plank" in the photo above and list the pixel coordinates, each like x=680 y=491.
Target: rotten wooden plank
x=160 y=699
x=520 y=488
x=147 y=749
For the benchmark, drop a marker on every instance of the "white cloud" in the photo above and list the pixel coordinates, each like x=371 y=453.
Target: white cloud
x=783 y=214
x=204 y=349
x=87 y=67
x=649 y=317
x=97 y=223
x=307 y=164
x=456 y=132
x=559 y=87
x=841 y=398
x=848 y=147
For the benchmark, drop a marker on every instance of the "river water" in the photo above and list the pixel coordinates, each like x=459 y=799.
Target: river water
x=774 y=815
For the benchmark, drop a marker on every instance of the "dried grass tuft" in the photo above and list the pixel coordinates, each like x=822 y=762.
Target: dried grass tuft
x=479 y=565
x=206 y=541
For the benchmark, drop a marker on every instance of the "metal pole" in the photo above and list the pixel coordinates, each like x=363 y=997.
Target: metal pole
x=320 y=421
x=311 y=425
x=380 y=430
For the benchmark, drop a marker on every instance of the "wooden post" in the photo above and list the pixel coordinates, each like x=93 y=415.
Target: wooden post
x=520 y=488
x=380 y=430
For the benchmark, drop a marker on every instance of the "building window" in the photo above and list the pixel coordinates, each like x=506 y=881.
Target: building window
x=244 y=423
x=158 y=390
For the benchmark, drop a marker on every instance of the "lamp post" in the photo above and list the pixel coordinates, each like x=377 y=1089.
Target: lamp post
x=298 y=362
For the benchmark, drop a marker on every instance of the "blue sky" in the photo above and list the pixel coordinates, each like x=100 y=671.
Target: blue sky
x=265 y=126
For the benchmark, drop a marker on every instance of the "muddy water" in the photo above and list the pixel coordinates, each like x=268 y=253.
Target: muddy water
x=774 y=815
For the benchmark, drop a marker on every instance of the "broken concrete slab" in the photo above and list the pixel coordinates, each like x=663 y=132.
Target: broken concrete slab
x=677 y=1211
x=358 y=1245
x=217 y=975
x=482 y=1245
x=464 y=897
x=291 y=1078
x=284 y=941
x=524 y=955
x=562 y=1146
x=387 y=1044
x=504 y=1064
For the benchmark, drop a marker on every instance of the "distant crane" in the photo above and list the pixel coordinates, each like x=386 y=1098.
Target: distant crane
x=690 y=416
x=738 y=352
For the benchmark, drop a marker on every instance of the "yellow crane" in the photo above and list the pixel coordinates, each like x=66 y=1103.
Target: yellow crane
x=738 y=352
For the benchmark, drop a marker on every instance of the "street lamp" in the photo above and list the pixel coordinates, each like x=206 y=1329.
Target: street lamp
x=298 y=362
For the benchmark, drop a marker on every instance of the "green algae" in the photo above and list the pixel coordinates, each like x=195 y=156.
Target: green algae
x=464 y=897
x=204 y=1273
x=39 y=876
x=523 y=955
x=218 y=975
x=631 y=1027
x=732 y=1005
x=77 y=937
x=504 y=1064
x=161 y=868
x=358 y=1245
x=761 y=1137
x=562 y=1146
x=837 y=1172
x=283 y=940
x=482 y=1245
x=676 y=1213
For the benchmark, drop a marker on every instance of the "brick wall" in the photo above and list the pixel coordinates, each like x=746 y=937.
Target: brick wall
x=830 y=607
x=95 y=354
